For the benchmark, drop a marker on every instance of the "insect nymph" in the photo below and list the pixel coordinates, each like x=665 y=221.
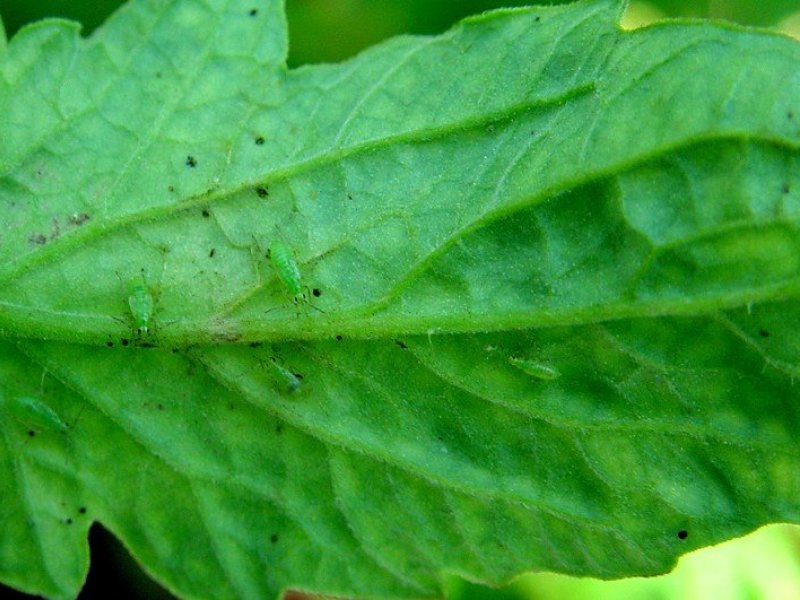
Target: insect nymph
x=33 y=412
x=141 y=304
x=282 y=260
x=535 y=369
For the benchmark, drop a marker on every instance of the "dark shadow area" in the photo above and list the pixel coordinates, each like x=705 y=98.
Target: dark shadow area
x=114 y=574
x=6 y=593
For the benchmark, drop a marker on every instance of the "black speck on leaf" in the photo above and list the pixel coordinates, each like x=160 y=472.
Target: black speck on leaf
x=31 y=433
x=273 y=538
x=683 y=534
x=537 y=18
x=785 y=188
x=253 y=12
x=171 y=188
x=316 y=292
x=260 y=141
x=82 y=510
x=110 y=344
x=212 y=253
x=338 y=338
x=262 y=192
x=125 y=342
x=205 y=213
x=191 y=161
x=68 y=521
x=255 y=344
x=38 y=238
x=763 y=333
x=401 y=344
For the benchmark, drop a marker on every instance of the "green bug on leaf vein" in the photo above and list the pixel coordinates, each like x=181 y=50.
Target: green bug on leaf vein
x=282 y=260
x=535 y=369
x=34 y=413
x=141 y=304
x=281 y=257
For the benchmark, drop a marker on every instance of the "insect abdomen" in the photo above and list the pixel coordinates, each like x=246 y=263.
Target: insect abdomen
x=283 y=262
x=535 y=369
x=33 y=412
x=141 y=304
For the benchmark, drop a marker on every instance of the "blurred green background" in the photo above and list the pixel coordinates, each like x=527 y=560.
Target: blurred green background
x=331 y=30
x=762 y=566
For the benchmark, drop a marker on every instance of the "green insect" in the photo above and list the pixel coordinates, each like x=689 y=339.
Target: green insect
x=535 y=369
x=141 y=304
x=286 y=381
x=282 y=259
x=34 y=413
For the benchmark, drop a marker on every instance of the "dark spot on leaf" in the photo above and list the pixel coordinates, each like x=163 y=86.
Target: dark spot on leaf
x=38 y=238
x=175 y=350
x=785 y=188
x=125 y=342
x=262 y=192
x=267 y=254
x=790 y=115
x=338 y=338
x=683 y=534
x=171 y=188
x=78 y=219
x=349 y=195
x=316 y=292
x=146 y=345
x=253 y=12
x=279 y=428
x=191 y=161
x=160 y=406
x=56 y=229
x=273 y=538
x=212 y=252
x=401 y=344
x=31 y=433
x=205 y=213
x=82 y=510
x=259 y=141
x=298 y=375
x=110 y=344
x=763 y=333
x=537 y=18
x=68 y=521
x=255 y=344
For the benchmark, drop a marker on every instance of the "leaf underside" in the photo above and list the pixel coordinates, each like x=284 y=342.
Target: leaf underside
x=551 y=273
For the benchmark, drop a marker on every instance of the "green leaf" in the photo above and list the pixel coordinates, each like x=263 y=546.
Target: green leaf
x=535 y=187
